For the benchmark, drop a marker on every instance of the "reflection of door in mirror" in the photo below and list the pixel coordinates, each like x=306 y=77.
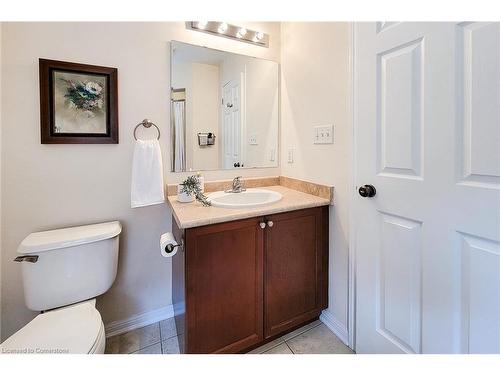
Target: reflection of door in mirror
x=232 y=99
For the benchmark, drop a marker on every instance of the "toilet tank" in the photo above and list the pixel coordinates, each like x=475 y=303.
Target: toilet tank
x=65 y=266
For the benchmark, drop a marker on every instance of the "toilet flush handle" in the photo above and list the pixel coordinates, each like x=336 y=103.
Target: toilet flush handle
x=27 y=258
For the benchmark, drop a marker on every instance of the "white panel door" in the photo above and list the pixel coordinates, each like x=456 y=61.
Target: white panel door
x=232 y=125
x=427 y=134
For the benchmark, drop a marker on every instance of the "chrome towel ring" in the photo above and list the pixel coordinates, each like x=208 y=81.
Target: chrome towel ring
x=147 y=124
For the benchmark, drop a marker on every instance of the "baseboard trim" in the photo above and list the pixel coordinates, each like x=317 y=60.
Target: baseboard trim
x=138 y=321
x=339 y=329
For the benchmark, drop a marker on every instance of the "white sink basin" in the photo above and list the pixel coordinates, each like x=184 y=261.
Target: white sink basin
x=246 y=199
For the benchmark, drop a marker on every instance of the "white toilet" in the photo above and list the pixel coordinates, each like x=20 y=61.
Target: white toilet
x=63 y=270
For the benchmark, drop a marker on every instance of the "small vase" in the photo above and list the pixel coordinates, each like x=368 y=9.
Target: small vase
x=183 y=197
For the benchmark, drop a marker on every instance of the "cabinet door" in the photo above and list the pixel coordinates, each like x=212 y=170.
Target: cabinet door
x=296 y=260
x=224 y=281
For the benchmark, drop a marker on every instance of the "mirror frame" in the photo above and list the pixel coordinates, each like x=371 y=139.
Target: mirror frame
x=278 y=148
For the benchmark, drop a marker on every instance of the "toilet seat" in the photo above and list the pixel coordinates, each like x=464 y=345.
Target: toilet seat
x=100 y=343
x=74 y=329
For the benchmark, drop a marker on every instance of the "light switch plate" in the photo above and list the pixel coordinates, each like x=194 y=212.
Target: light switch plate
x=323 y=134
x=253 y=139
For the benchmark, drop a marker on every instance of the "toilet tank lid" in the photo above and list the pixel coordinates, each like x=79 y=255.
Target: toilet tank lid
x=67 y=237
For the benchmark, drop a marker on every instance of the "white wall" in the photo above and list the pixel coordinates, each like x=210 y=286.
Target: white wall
x=315 y=88
x=49 y=186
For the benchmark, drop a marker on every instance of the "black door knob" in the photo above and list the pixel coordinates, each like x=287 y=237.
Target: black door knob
x=367 y=191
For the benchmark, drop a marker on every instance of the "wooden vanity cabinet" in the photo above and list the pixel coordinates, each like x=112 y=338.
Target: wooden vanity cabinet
x=295 y=269
x=237 y=285
x=223 y=287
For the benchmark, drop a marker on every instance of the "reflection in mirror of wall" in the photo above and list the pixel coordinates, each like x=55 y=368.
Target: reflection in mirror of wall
x=225 y=110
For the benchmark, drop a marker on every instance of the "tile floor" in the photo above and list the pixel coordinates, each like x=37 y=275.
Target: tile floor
x=161 y=338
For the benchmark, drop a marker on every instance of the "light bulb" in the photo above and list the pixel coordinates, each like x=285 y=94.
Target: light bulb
x=202 y=24
x=222 y=28
x=259 y=35
x=241 y=32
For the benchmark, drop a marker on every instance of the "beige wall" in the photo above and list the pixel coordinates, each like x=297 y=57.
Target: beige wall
x=201 y=82
x=182 y=79
x=49 y=186
x=315 y=91
x=205 y=107
x=260 y=106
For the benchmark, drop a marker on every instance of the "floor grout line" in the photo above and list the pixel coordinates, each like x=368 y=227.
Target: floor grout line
x=272 y=347
x=278 y=342
x=290 y=338
x=156 y=343
x=298 y=334
x=172 y=337
x=169 y=337
x=159 y=327
x=151 y=344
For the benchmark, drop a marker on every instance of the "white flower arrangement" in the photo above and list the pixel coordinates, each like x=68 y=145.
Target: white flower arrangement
x=85 y=96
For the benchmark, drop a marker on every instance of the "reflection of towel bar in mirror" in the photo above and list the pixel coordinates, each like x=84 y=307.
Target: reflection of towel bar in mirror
x=206 y=139
x=147 y=124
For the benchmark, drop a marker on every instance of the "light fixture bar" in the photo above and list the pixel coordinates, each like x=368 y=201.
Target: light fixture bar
x=227 y=30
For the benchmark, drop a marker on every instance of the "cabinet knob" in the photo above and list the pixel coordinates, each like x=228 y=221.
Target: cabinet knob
x=270 y=224
x=262 y=225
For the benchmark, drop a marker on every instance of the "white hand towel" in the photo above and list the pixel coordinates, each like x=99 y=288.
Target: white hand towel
x=147 y=174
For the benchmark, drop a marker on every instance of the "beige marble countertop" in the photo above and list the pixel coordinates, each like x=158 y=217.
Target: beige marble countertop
x=194 y=214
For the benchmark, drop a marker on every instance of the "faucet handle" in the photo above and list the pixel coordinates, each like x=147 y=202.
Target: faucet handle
x=237 y=186
x=236 y=181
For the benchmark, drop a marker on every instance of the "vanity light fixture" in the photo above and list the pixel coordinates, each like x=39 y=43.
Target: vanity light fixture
x=241 y=32
x=230 y=31
x=222 y=28
x=202 y=24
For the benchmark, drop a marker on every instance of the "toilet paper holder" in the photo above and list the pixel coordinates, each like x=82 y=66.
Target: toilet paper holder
x=169 y=248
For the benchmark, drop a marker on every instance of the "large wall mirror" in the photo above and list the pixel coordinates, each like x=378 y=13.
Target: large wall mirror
x=225 y=110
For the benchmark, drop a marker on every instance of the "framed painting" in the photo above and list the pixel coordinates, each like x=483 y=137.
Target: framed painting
x=78 y=103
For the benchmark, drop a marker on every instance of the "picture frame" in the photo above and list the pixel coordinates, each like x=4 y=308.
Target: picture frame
x=78 y=103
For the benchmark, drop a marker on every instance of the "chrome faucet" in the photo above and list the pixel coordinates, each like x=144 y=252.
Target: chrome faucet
x=237 y=186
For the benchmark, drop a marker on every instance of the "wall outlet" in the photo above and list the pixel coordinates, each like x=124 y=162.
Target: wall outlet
x=253 y=139
x=323 y=134
x=290 y=155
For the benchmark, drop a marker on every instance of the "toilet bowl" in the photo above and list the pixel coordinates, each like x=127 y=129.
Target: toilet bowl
x=75 y=329
x=63 y=270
